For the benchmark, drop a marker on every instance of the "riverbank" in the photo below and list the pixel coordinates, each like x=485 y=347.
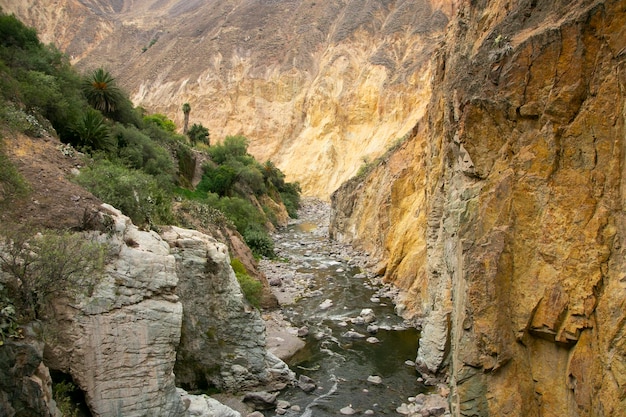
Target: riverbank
x=305 y=253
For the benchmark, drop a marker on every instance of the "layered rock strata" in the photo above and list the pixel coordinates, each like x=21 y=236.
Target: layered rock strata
x=503 y=215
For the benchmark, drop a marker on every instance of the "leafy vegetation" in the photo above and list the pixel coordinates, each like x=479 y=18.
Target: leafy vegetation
x=50 y=264
x=62 y=393
x=102 y=92
x=252 y=289
x=198 y=133
x=139 y=163
x=135 y=193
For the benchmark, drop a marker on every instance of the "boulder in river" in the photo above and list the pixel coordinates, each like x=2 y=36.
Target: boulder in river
x=351 y=334
x=306 y=384
x=261 y=400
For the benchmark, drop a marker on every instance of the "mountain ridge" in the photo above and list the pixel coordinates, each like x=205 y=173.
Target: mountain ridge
x=317 y=87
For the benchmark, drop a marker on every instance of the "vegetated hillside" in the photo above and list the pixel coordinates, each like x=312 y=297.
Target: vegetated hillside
x=318 y=87
x=129 y=159
x=503 y=215
x=127 y=295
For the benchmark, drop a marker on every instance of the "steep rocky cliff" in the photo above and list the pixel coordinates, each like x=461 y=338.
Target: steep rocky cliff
x=223 y=338
x=316 y=86
x=503 y=216
x=150 y=315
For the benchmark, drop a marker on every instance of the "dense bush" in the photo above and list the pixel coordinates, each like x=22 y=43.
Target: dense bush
x=138 y=151
x=135 y=193
x=161 y=121
x=233 y=148
x=259 y=241
x=93 y=133
x=38 y=78
x=218 y=179
x=198 y=133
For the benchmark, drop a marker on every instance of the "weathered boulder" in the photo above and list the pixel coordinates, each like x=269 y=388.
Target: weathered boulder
x=205 y=406
x=223 y=337
x=261 y=400
x=25 y=384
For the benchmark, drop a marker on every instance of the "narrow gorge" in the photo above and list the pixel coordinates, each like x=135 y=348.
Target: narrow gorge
x=474 y=157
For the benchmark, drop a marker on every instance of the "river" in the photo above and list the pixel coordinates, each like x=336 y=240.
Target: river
x=357 y=351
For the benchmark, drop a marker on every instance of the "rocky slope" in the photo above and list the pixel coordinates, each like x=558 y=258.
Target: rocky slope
x=502 y=217
x=316 y=86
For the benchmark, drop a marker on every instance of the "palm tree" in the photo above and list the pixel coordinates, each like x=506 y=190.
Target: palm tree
x=93 y=132
x=199 y=133
x=186 y=111
x=101 y=92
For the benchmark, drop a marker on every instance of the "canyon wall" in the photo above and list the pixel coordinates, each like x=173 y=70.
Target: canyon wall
x=318 y=87
x=503 y=215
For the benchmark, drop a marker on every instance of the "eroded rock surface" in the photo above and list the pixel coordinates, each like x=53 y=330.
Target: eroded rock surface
x=502 y=217
x=119 y=345
x=223 y=338
x=159 y=309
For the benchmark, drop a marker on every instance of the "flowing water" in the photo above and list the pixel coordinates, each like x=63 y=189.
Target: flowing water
x=338 y=355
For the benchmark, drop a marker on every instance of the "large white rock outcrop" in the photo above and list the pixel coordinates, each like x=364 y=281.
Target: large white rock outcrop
x=223 y=338
x=119 y=345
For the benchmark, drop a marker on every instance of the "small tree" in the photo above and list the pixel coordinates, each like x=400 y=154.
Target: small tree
x=47 y=265
x=199 y=133
x=186 y=111
x=93 y=132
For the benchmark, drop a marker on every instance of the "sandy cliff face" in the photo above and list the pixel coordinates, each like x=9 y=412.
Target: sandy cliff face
x=503 y=216
x=316 y=86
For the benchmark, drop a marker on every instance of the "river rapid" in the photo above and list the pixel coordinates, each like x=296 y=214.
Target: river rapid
x=358 y=352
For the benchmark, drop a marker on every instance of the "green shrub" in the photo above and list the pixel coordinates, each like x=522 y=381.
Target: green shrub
x=139 y=151
x=137 y=194
x=62 y=393
x=290 y=194
x=94 y=133
x=218 y=179
x=9 y=326
x=259 y=242
x=242 y=213
x=47 y=265
x=233 y=147
x=251 y=178
x=12 y=184
x=198 y=134
x=251 y=288
x=160 y=120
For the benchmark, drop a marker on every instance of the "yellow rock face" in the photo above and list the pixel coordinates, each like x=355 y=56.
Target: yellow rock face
x=503 y=215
